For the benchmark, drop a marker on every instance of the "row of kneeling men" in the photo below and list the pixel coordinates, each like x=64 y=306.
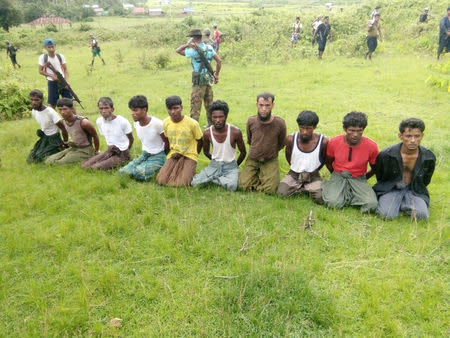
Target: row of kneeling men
x=170 y=151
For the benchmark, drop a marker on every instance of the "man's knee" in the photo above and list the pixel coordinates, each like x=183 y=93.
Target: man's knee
x=283 y=190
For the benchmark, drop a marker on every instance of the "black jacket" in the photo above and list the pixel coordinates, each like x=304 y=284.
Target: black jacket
x=389 y=171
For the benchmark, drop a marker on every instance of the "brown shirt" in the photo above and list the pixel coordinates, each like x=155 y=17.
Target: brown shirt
x=265 y=139
x=77 y=134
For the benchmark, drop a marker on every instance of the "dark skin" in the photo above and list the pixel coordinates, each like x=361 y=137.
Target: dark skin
x=193 y=43
x=353 y=136
x=176 y=116
x=220 y=129
x=411 y=138
x=107 y=113
x=306 y=142
x=140 y=115
x=37 y=103
x=69 y=115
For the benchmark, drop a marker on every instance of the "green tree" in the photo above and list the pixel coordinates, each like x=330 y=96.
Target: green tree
x=9 y=15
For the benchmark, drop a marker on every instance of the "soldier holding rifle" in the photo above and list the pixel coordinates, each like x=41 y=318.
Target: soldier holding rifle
x=203 y=76
x=58 y=63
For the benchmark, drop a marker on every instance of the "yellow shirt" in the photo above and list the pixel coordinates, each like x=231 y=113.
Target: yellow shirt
x=183 y=136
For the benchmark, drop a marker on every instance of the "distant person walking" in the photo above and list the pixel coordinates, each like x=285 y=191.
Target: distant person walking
x=11 y=51
x=376 y=11
x=217 y=38
x=297 y=29
x=95 y=50
x=59 y=63
x=321 y=35
x=207 y=39
x=444 y=34
x=423 y=18
x=373 y=33
x=203 y=75
x=314 y=26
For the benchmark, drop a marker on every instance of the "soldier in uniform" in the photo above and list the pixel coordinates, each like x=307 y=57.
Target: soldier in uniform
x=202 y=77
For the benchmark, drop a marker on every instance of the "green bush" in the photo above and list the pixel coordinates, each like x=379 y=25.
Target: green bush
x=84 y=27
x=14 y=101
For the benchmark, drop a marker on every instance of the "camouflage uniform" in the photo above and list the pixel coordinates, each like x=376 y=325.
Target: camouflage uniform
x=198 y=94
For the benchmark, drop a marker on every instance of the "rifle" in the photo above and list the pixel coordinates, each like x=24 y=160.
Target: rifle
x=205 y=62
x=63 y=84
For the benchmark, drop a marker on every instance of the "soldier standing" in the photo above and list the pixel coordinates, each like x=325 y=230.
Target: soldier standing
x=203 y=76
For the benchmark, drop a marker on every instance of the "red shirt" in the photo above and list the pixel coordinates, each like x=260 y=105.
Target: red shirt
x=354 y=161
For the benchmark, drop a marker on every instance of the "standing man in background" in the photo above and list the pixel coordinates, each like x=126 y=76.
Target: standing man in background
x=321 y=35
x=11 y=51
x=216 y=38
x=297 y=29
x=95 y=50
x=59 y=63
x=444 y=34
x=203 y=75
x=373 y=32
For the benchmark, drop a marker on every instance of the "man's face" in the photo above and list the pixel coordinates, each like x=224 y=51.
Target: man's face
x=105 y=110
x=138 y=113
x=306 y=133
x=264 y=107
x=448 y=13
x=411 y=138
x=36 y=102
x=175 y=112
x=50 y=49
x=66 y=112
x=326 y=20
x=353 y=135
x=219 y=119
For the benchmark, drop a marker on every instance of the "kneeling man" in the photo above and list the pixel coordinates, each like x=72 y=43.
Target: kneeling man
x=265 y=135
x=150 y=131
x=403 y=172
x=305 y=152
x=49 y=142
x=118 y=135
x=185 y=143
x=81 y=132
x=347 y=159
x=223 y=168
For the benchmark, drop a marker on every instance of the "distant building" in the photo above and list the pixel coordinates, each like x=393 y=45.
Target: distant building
x=138 y=10
x=155 y=12
x=98 y=11
x=128 y=6
x=187 y=10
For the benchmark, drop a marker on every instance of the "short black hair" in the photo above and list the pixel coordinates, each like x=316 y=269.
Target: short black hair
x=36 y=93
x=64 y=101
x=138 y=101
x=355 y=119
x=173 y=100
x=106 y=100
x=411 y=123
x=265 y=96
x=307 y=118
x=219 y=105
x=326 y=17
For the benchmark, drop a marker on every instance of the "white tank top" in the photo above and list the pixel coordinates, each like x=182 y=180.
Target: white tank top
x=305 y=161
x=223 y=152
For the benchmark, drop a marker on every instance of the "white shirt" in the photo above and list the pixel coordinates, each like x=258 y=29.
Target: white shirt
x=149 y=135
x=115 y=131
x=302 y=161
x=55 y=62
x=47 y=119
x=223 y=152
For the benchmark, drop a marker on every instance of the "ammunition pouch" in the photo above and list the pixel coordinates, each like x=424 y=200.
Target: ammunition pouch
x=204 y=79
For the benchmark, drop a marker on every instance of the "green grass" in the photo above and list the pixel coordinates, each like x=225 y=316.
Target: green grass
x=80 y=248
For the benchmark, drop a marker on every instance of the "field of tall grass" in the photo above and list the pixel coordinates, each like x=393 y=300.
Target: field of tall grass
x=78 y=248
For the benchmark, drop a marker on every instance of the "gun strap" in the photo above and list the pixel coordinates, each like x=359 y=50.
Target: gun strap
x=204 y=61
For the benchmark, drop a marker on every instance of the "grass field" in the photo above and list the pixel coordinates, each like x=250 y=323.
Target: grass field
x=80 y=248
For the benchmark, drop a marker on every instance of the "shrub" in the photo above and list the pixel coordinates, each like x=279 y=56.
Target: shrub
x=84 y=27
x=51 y=27
x=14 y=101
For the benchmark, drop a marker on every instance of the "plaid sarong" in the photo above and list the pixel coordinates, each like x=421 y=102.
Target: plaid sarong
x=145 y=166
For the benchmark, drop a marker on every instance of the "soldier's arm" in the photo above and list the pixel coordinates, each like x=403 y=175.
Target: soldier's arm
x=218 y=67
x=65 y=71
